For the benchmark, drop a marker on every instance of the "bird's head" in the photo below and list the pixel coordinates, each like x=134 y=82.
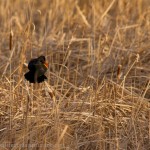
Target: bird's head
x=43 y=61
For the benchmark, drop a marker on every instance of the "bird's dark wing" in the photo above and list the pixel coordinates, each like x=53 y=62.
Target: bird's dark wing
x=40 y=68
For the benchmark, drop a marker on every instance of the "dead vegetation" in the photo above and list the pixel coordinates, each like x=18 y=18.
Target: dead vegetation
x=98 y=90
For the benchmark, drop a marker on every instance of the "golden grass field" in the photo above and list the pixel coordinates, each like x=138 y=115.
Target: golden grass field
x=97 y=96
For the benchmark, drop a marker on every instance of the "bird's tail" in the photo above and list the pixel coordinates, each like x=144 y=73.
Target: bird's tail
x=41 y=78
x=31 y=77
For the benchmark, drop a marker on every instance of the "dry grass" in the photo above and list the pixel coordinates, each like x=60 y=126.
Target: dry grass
x=98 y=90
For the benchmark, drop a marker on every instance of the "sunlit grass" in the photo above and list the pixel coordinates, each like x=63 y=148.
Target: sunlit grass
x=97 y=93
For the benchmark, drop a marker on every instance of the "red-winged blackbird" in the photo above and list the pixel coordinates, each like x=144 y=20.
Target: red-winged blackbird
x=37 y=68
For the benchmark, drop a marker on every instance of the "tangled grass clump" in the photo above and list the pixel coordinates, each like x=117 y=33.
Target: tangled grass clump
x=98 y=89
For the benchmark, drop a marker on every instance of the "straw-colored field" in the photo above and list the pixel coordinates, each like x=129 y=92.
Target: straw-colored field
x=97 y=96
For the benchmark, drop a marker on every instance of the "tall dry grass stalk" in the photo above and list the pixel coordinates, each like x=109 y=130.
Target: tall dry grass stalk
x=98 y=89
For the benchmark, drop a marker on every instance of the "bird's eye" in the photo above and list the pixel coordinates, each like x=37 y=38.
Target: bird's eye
x=41 y=61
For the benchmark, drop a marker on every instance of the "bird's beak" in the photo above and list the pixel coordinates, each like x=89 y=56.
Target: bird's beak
x=46 y=64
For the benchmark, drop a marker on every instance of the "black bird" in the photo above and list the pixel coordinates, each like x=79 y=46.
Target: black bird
x=37 y=68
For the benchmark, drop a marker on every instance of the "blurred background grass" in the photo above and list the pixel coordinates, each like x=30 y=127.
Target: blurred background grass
x=97 y=93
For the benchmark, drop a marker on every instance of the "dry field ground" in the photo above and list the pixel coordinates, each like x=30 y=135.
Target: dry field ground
x=97 y=96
